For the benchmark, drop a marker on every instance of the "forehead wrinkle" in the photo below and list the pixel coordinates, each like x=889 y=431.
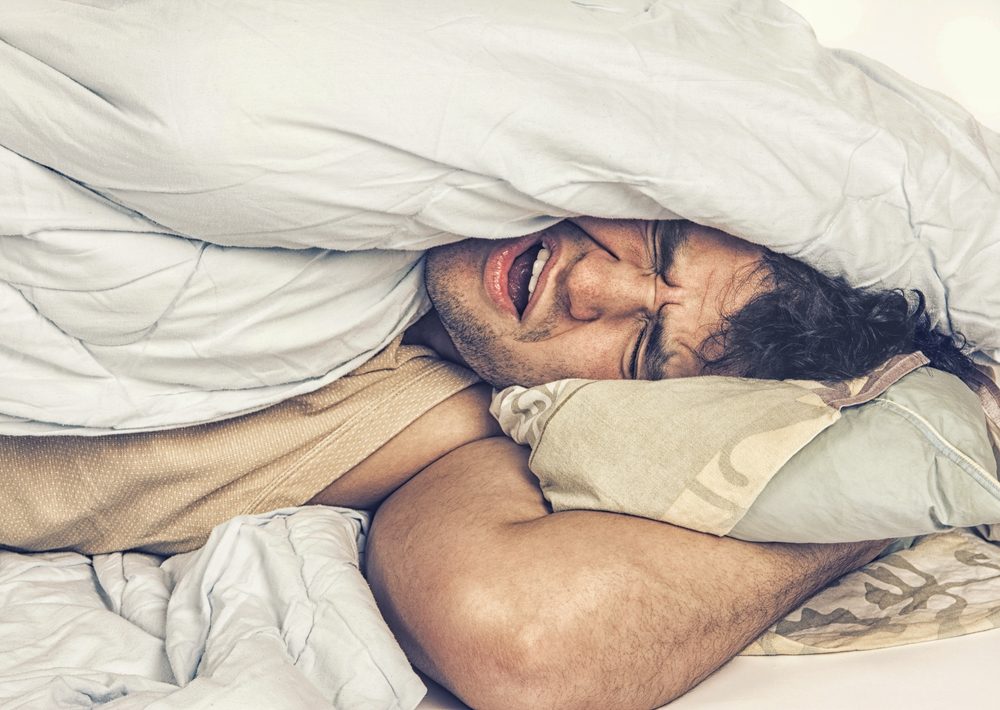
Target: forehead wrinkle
x=670 y=234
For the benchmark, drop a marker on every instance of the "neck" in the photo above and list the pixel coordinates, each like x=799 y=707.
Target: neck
x=429 y=332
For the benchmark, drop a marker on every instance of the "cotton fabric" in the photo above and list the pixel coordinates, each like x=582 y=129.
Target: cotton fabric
x=141 y=141
x=164 y=491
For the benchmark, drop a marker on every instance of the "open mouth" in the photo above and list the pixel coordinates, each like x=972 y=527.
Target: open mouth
x=523 y=276
x=513 y=269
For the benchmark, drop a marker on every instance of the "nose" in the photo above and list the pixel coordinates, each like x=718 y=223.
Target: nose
x=600 y=286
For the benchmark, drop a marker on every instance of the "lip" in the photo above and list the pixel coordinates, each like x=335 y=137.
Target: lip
x=498 y=265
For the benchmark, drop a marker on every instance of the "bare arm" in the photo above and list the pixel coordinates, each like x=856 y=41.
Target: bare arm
x=458 y=420
x=512 y=606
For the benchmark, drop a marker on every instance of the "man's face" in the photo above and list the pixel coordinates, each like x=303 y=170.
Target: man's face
x=614 y=299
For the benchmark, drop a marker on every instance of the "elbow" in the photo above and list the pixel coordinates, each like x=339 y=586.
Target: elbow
x=496 y=658
x=505 y=651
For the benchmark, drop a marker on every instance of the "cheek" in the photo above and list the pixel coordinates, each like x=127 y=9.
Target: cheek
x=587 y=355
x=453 y=277
x=452 y=263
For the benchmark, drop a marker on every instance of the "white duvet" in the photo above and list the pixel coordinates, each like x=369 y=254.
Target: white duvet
x=173 y=176
x=271 y=613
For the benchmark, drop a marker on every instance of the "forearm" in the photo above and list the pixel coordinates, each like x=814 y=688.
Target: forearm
x=730 y=592
x=655 y=608
x=512 y=606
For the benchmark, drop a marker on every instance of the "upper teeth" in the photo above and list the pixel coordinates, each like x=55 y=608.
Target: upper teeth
x=536 y=269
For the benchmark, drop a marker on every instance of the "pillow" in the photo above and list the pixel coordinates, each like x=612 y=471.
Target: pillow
x=904 y=451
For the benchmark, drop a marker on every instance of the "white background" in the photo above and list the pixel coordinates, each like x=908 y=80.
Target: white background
x=952 y=46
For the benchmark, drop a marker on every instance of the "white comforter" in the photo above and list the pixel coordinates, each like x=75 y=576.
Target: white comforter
x=272 y=613
x=137 y=137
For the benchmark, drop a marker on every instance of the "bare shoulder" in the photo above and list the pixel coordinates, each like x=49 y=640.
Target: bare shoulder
x=459 y=420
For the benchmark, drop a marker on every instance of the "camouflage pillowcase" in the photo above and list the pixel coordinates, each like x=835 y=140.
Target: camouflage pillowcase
x=900 y=452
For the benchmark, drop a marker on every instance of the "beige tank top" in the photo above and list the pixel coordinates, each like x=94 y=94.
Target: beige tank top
x=164 y=491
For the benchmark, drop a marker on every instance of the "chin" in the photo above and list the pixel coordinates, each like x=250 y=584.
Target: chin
x=480 y=347
x=454 y=272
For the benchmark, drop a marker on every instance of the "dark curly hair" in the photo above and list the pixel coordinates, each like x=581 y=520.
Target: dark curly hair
x=807 y=325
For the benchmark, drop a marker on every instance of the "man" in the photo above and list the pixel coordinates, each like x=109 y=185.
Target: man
x=506 y=604
x=511 y=606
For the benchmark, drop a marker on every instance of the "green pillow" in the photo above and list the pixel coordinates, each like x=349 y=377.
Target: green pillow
x=916 y=459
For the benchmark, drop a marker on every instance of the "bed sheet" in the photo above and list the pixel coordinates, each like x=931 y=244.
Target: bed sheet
x=271 y=613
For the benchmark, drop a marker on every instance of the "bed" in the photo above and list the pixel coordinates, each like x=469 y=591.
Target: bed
x=293 y=625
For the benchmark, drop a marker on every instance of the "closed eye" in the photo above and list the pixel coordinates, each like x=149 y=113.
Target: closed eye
x=633 y=366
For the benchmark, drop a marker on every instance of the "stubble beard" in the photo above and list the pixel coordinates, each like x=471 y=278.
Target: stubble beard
x=479 y=345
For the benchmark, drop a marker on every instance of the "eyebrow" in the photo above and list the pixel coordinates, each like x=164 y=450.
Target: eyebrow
x=656 y=357
x=670 y=234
